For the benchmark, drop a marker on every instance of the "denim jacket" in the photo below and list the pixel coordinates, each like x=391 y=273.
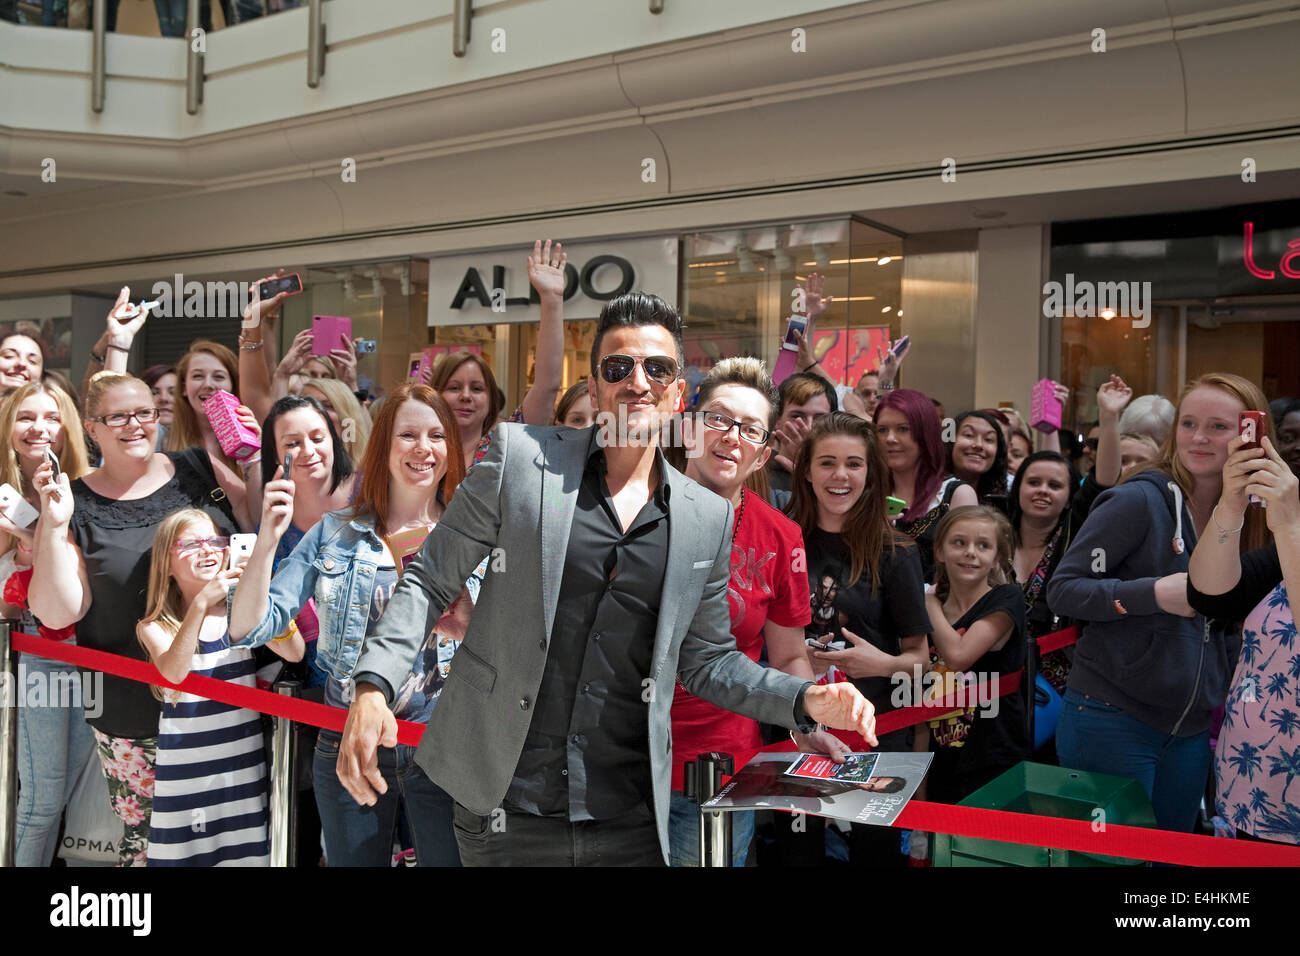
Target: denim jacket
x=335 y=563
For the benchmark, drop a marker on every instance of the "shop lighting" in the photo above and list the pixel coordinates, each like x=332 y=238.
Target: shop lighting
x=844 y=262
x=1108 y=314
x=887 y=308
x=705 y=265
x=885 y=260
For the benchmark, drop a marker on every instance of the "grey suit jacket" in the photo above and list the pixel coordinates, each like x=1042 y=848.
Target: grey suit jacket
x=521 y=499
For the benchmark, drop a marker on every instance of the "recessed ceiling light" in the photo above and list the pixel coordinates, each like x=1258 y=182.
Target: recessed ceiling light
x=884 y=260
x=886 y=308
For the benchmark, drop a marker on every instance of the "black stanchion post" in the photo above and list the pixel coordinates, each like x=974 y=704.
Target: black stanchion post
x=284 y=782
x=8 y=746
x=715 y=825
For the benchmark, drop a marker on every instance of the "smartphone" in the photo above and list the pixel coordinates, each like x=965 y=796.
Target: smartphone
x=325 y=332
x=131 y=311
x=288 y=463
x=53 y=459
x=896 y=506
x=273 y=287
x=798 y=323
x=1251 y=426
x=241 y=548
x=813 y=642
x=366 y=346
x=15 y=508
x=900 y=345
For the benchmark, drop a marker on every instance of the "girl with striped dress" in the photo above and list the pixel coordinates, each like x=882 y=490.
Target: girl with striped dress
x=210 y=792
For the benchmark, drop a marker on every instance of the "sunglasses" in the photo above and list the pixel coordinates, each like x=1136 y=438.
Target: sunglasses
x=216 y=542
x=658 y=368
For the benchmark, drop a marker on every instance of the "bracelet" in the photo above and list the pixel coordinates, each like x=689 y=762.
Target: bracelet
x=246 y=346
x=885 y=388
x=248 y=463
x=118 y=348
x=1223 y=534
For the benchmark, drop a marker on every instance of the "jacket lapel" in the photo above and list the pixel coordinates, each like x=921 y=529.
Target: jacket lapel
x=563 y=458
x=683 y=546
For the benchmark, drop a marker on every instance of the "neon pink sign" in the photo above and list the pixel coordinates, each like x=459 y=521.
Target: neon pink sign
x=1284 y=264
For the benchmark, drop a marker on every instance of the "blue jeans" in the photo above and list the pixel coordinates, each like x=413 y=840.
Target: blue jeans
x=363 y=836
x=171 y=17
x=54 y=746
x=684 y=832
x=1098 y=737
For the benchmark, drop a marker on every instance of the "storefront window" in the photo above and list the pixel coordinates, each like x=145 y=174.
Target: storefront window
x=739 y=292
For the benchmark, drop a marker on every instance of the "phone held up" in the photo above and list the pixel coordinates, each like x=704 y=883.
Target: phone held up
x=290 y=284
x=241 y=548
x=1251 y=426
x=15 y=508
x=797 y=324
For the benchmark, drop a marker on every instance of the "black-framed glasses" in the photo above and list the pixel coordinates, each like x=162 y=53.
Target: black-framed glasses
x=658 y=368
x=218 y=542
x=750 y=431
x=116 y=420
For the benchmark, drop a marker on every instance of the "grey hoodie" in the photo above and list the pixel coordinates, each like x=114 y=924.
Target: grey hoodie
x=1169 y=672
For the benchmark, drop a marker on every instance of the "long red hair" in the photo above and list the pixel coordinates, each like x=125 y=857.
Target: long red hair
x=372 y=496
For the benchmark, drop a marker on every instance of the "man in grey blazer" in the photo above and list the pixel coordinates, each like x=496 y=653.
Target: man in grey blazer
x=610 y=582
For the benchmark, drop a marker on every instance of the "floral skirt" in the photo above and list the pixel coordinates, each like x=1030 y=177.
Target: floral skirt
x=129 y=769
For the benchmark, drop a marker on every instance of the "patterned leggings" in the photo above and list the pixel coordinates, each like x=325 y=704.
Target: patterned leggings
x=129 y=769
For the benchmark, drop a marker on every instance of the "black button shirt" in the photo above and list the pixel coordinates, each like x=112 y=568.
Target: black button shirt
x=586 y=756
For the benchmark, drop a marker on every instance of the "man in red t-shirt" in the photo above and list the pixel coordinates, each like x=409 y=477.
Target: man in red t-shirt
x=727 y=439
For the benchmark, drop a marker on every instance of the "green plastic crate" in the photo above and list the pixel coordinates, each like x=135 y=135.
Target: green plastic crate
x=1053 y=792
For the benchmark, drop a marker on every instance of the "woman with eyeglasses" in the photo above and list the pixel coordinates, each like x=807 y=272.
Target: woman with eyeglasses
x=93 y=546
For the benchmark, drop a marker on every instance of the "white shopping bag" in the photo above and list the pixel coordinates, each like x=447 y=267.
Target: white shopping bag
x=91 y=829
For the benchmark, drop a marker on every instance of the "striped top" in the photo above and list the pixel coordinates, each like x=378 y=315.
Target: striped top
x=210 y=796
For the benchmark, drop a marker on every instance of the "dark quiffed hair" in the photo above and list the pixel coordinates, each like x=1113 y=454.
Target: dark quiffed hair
x=270 y=459
x=801 y=387
x=1015 y=512
x=633 y=309
x=992 y=485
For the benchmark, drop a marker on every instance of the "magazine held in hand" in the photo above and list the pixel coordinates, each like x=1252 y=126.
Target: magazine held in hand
x=866 y=788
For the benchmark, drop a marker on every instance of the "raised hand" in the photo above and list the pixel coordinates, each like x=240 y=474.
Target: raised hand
x=215 y=591
x=56 y=495
x=546 y=267
x=277 y=507
x=124 y=320
x=345 y=361
x=890 y=362
x=257 y=310
x=1112 y=396
x=298 y=355
x=1275 y=483
x=814 y=296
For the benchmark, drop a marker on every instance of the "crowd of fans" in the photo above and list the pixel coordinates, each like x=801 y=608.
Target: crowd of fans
x=924 y=543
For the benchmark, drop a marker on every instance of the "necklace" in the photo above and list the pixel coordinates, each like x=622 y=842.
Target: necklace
x=740 y=516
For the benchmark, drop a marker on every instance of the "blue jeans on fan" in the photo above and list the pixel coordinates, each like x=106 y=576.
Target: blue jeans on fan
x=684 y=832
x=363 y=836
x=54 y=746
x=1098 y=737
x=171 y=17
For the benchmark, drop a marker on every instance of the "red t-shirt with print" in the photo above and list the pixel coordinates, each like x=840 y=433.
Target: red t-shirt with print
x=769 y=582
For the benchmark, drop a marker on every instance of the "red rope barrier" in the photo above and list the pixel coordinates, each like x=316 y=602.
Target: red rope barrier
x=1056 y=832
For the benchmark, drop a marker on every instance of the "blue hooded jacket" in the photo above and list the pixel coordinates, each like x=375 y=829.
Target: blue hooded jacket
x=1170 y=672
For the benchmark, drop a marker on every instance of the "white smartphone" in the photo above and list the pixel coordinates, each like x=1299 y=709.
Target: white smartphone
x=15 y=508
x=798 y=323
x=241 y=549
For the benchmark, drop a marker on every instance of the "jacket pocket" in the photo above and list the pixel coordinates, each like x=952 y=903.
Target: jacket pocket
x=334 y=654
x=471 y=669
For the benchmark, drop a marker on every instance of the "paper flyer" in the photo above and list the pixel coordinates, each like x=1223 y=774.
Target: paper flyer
x=764 y=783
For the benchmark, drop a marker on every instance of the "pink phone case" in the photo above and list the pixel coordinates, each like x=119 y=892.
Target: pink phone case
x=325 y=332
x=1044 y=410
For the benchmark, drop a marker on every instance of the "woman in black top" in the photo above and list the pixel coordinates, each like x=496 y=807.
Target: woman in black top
x=92 y=569
x=978 y=456
x=867 y=591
